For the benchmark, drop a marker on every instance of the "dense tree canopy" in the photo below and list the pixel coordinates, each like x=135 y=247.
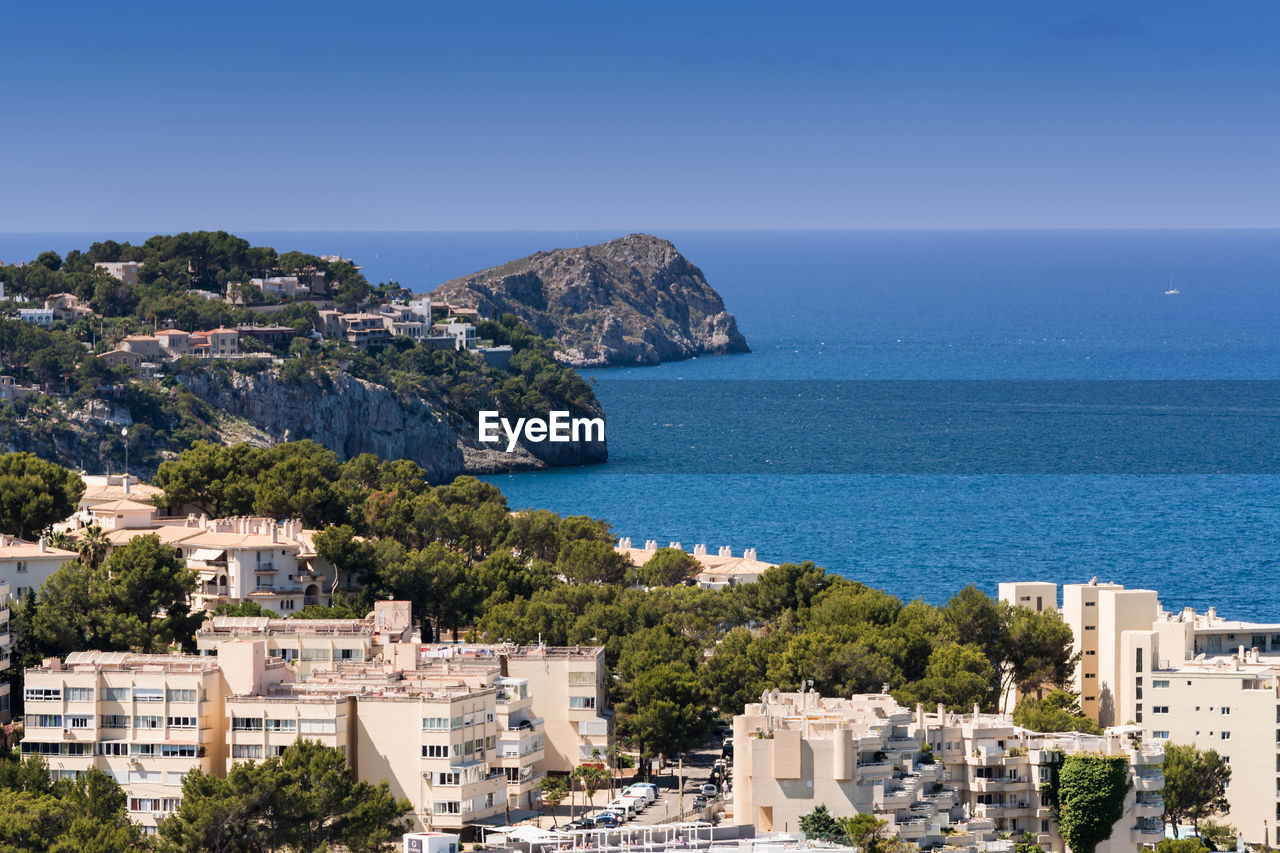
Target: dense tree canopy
x=1195 y=784
x=35 y=493
x=303 y=799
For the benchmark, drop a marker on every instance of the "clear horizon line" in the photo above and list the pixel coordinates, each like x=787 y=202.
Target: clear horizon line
x=651 y=229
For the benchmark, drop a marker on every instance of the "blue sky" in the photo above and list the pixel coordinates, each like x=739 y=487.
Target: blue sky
x=558 y=115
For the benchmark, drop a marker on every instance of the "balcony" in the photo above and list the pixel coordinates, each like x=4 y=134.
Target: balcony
x=912 y=828
x=1148 y=782
x=264 y=568
x=1148 y=806
x=875 y=770
x=1148 y=831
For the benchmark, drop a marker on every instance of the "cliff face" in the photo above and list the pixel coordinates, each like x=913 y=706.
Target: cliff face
x=635 y=300
x=351 y=416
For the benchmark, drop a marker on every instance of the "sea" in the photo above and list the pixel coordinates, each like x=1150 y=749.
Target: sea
x=923 y=410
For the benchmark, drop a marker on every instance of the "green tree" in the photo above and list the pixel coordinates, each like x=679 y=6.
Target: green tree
x=865 y=830
x=592 y=561
x=144 y=601
x=820 y=825
x=667 y=712
x=1035 y=649
x=35 y=493
x=1057 y=712
x=1195 y=784
x=1090 y=794
x=1180 y=845
x=553 y=790
x=93 y=546
x=668 y=567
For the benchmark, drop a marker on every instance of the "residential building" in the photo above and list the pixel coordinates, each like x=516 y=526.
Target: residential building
x=174 y=342
x=147 y=346
x=1099 y=614
x=25 y=566
x=279 y=285
x=105 y=488
x=715 y=571
x=364 y=330
x=122 y=358
x=463 y=333
x=1034 y=595
x=980 y=777
x=36 y=316
x=10 y=390
x=272 y=335
x=126 y=271
x=145 y=720
x=66 y=307
x=215 y=343
x=311 y=644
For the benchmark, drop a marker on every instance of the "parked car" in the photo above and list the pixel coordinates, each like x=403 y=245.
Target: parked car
x=606 y=820
x=709 y=790
x=699 y=802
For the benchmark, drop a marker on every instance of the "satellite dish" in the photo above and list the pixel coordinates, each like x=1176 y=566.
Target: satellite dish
x=775 y=694
x=1199 y=657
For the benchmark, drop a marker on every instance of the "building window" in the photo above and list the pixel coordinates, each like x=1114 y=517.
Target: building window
x=182 y=722
x=79 y=721
x=113 y=721
x=448 y=778
x=246 y=750
x=148 y=694
x=1164 y=735
x=582 y=702
x=316 y=654
x=147 y=749
x=182 y=695
x=446 y=807
x=582 y=678
x=1226 y=710
x=441 y=724
x=282 y=725
x=1158 y=683
x=45 y=721
x=319 y=727
x=115 y=694
x=178 y=750
x=113 y=747
x=79 y=694
x=22 y=567
x=30 y=747
x=1159 y=709
x=1226 y=735
x=148 y=722
x=42 y=694
x=441 y=750
x=246 y=724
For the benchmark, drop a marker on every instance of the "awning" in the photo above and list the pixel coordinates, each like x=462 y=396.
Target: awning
x=207 y=554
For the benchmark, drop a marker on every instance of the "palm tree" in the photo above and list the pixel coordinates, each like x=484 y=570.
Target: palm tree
x=93 y=546
x=61 y=540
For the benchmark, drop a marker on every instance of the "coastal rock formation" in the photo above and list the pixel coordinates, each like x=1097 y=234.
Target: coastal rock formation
x=635 y=300
x=351 y=416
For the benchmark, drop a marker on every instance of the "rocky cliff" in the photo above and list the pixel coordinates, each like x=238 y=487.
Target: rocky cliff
x=351 y=416
x=635 y=300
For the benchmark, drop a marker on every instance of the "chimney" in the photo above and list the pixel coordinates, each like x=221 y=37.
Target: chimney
x=44 y=545
x=675 y=545
x=275 y=534
x=700 y=550
x=503 y=668
x=126 y=485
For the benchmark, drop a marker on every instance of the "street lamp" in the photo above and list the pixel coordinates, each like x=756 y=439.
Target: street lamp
x=124 y=433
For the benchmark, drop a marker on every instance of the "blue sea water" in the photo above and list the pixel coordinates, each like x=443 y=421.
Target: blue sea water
x=923 y=410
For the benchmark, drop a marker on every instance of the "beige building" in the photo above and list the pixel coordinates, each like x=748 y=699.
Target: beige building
x=715 y=571
x=980 y=777
x=126 y=271
x=145 y=720
x=26 y=565
x=147 y=346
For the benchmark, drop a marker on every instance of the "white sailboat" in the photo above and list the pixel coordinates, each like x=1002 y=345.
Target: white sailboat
x=1172 y=291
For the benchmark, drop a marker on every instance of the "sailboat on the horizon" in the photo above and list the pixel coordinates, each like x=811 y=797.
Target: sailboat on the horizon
x=1172 y=291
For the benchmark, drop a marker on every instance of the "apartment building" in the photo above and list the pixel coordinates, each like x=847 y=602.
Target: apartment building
x=310 y=644
x=980 y=778
x=715 y=571
x=521 y=741
x=237 y=559
x=26 y=565
x=145 y=720
x=570 y=695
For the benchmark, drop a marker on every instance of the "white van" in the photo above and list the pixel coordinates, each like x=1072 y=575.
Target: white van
x=648 y=792
x=626 y=806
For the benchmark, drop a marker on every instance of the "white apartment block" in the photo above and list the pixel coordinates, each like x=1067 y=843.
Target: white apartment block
x=25 y=566
x=566 y=685
x=237 y=559
x=145 y=720
x=865 y=754
x=1185 y=678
